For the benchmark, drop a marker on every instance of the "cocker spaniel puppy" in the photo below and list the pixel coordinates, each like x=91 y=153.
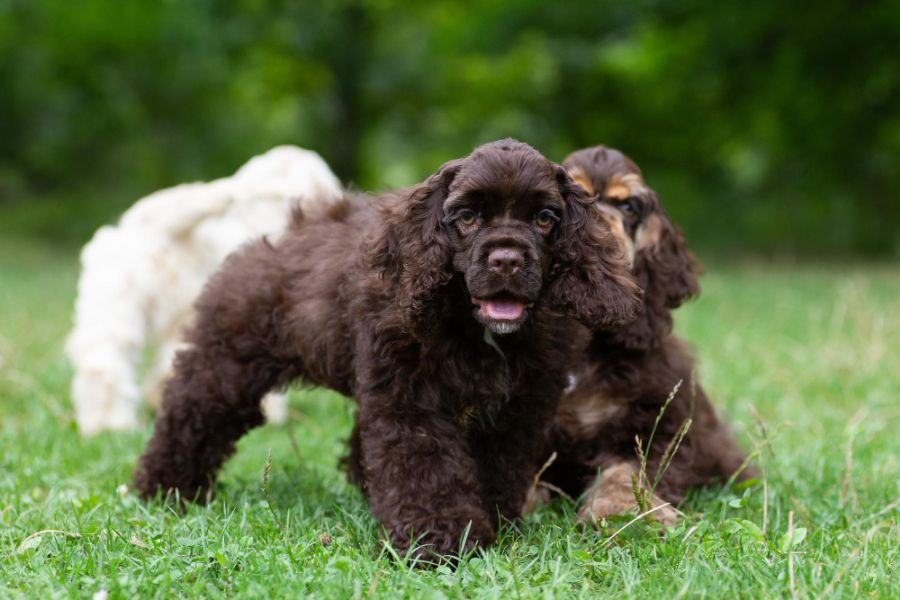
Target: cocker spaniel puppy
x=140 y=277
x=627 y=374
x=445 y=310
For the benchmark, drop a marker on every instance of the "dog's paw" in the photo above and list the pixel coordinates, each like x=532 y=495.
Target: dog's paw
x=613 y=494
x=438 y=539
x=600 y=506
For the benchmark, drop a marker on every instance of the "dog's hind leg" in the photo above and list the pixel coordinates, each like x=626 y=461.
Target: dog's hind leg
x=274 y=405
x=234 y=357
x=211 y=401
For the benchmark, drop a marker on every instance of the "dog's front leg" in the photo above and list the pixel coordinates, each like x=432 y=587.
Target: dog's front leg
x=421 y=480
x=509 y=456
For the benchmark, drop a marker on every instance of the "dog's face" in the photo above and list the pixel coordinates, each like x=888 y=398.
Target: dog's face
x=630 y=207
x=660 y=261
x=500 y=215
x=520 y=234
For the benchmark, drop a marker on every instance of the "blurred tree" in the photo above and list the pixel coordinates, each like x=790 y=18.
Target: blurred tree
x=766 y=126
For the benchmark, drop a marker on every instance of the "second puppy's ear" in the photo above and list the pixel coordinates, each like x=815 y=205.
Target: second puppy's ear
x=676 y=270
x=589 y=272
x=667 y=272
x=668 y=269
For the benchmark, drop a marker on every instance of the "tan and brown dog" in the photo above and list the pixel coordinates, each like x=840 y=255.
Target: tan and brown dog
x=627 y=374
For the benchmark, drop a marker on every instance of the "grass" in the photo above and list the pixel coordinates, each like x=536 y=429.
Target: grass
x=803 y=359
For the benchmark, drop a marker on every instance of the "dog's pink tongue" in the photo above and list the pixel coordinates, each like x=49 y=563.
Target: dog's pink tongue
x=502 y=310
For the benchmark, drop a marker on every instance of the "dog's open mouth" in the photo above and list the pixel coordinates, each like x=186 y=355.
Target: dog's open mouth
x=502 y=313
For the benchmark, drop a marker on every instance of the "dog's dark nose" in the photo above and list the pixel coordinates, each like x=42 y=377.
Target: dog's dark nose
x=505 y=260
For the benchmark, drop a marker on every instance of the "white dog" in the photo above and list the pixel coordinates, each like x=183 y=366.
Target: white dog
x=139 y=278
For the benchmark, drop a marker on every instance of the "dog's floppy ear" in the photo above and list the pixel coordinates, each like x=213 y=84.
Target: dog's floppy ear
x=413 y=250
x=675 y=271
x=667 y=272
x=589 y=276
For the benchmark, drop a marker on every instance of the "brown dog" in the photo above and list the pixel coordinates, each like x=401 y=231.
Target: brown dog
x=627 y=374
x=446 y=310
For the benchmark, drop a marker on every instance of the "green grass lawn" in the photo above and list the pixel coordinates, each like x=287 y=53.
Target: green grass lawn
x=804 y=359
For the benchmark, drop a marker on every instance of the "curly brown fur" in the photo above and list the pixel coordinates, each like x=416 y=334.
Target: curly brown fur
x=628 y=373
x=448 y=311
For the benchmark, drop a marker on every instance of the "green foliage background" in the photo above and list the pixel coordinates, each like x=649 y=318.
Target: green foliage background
x=766 y=126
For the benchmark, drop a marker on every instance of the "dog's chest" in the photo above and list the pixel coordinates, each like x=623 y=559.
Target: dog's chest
x=503 y=396
x=484 y=398
x=490 y=383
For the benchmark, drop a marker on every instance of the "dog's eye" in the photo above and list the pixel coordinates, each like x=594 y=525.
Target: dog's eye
x=629 y=207
x=545 y=219
x=466 y=217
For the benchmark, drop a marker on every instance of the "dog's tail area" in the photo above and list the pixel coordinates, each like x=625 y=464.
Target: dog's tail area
x=299 y=175
x=253 y=202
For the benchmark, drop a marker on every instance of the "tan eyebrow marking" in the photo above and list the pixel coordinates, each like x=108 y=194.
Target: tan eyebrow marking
x=581 y=178
x=624 y=186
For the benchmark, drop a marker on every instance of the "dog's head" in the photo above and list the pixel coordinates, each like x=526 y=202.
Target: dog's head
x=661 y=263
x=519 y=234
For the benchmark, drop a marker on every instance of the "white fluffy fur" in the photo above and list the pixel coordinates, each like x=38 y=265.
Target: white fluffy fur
x=139 y=278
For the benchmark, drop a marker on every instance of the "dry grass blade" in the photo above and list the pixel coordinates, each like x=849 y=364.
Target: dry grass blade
x=265 y=473
x=758 y=446
x=293 y=439
x=637 y=479
x=265 y=488
x=642 y=460
x=556 y=490
x=893 y=505
x=373 y=586
x=662 y=412
x=24 y=544
x=546 y=465
x=638 y=491
x=536 y=481
x=670 y=451
x=646 y=513
x=638 y=484
x=758 y=451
